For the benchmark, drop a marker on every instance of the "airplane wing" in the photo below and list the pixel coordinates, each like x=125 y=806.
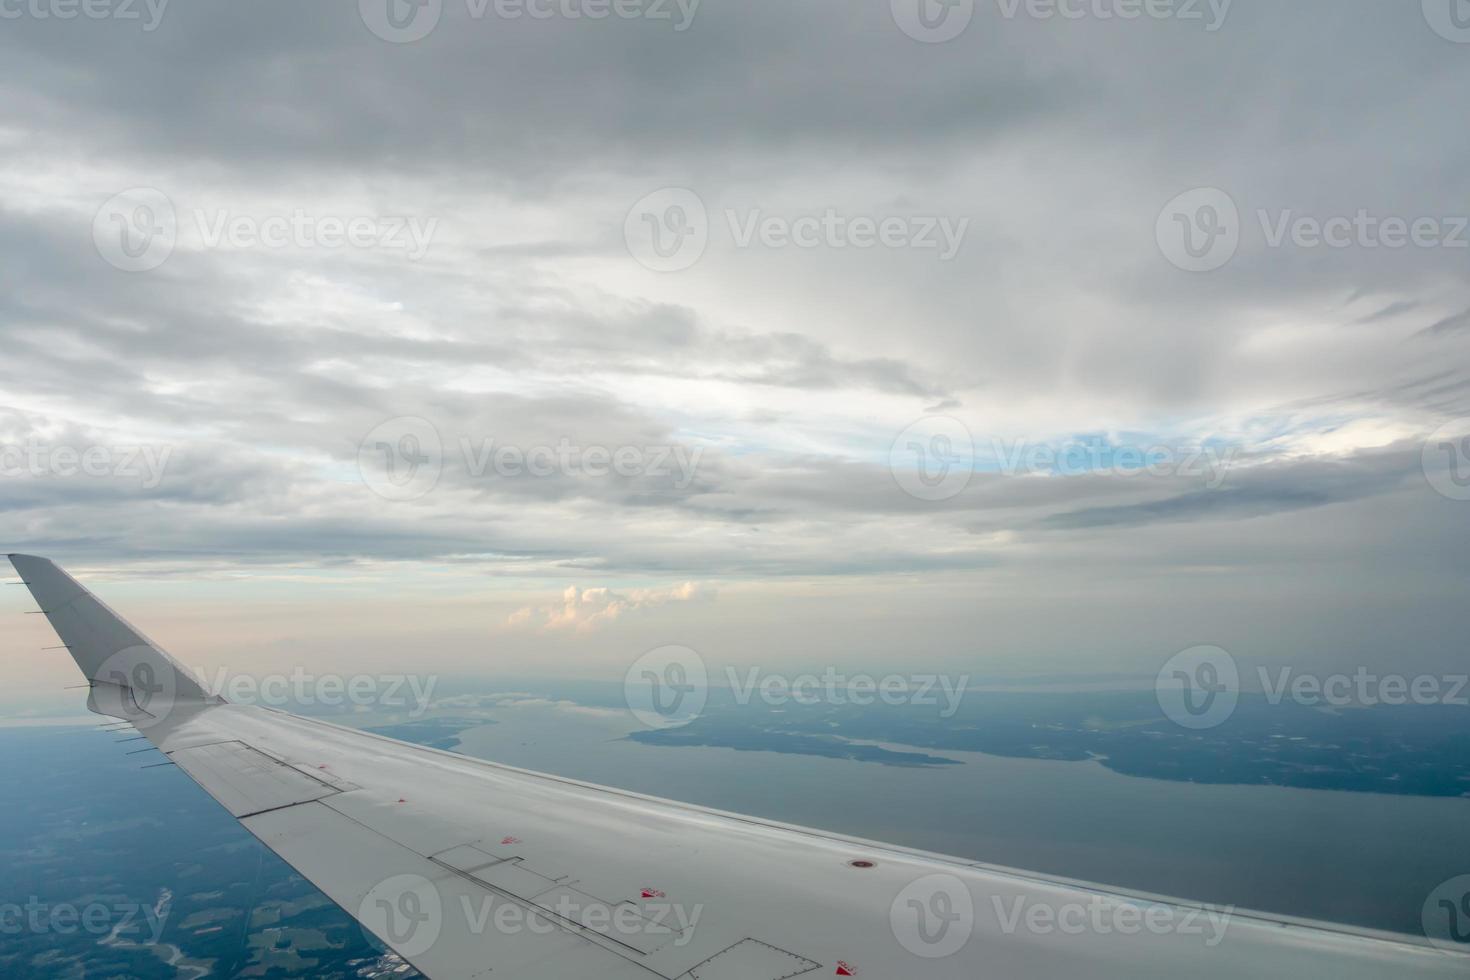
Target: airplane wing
x=470 y=869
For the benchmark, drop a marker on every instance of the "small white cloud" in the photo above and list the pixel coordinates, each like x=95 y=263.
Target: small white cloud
x=589 y=609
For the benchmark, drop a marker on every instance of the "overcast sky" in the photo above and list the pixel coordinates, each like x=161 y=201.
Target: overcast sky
x=1036 y=340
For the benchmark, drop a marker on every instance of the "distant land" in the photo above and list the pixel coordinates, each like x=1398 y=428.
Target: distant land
x=756 y=739
x=436 y=733
x=1416 y=750
x=1407 y=750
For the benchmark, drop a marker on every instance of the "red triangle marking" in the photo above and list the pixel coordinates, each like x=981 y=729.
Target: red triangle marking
x=510 y=840
x=844 y=970
x=653 y=893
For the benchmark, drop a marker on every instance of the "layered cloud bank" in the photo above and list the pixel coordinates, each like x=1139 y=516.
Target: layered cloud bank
x=757 y=292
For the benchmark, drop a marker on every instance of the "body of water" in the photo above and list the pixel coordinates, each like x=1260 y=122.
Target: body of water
x=1365 y=859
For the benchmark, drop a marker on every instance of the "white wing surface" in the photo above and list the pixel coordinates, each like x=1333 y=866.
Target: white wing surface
x=470 y=869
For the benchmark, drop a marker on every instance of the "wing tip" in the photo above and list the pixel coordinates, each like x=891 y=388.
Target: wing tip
x=18 y=559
